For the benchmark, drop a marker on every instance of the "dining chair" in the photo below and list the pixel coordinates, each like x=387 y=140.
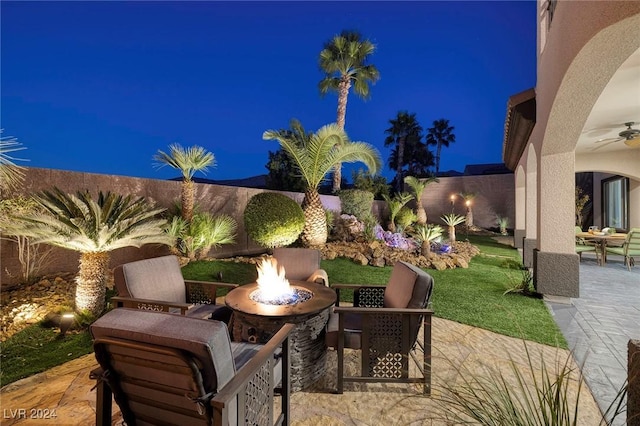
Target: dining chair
x=583 y=246
x=629 y=249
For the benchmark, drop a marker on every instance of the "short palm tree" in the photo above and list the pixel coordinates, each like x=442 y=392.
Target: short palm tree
x=344 y=63
x=94 y=228
x=188 y=161
x=468 y=198
x=314 y=155
x=11 y=175
x=395 y=204
x=417 y=188
x=427 y=233
x=441 y=134
x=451 y=220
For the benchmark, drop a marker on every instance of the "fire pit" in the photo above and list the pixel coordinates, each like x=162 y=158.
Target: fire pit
x=260 y=311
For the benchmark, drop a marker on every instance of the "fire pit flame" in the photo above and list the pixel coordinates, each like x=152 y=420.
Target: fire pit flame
x=274 y=288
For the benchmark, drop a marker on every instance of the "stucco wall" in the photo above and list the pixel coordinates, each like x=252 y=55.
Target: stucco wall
x=495 y=194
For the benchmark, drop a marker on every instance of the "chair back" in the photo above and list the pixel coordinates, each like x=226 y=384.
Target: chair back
x=158 y=278
x=162 y=368
x=409 y=287
x=578 y=229
x=632 y=242
x=299 y=263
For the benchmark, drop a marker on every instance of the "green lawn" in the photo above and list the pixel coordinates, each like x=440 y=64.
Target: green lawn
x=473 y=296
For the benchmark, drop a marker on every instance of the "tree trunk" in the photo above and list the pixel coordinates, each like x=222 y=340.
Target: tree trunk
x=399 y=177
x=469 y=218
x=343 y=93
x=421 y=213
x=314 y=232
x=438 y=149
x=426 y=248
x=91 y=283
x=188 y=199
x=452 y=234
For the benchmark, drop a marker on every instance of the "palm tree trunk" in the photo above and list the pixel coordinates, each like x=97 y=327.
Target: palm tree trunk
x=188 y=199
x=399 y=176
x=343 y=93
x=469 y=218
x=314 y=232
x=91 y=282
x=421 y=213
x=426 y=248
x=452 y=234
x=438 y=156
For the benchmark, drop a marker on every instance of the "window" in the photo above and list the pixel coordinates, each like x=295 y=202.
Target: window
x=615 y=203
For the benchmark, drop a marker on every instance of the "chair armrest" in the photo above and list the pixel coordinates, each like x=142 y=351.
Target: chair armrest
x=148 y=304
x=212 y=284
x=238 y=385
x=319 y=276
x=372 y=311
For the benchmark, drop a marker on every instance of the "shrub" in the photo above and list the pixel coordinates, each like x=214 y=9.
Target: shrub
x=356 y=202
x=194 y=239
x=405 y=218
x=273 y=220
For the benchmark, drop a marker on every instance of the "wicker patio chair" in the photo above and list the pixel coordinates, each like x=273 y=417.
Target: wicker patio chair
x=165 y=369
x=301 y=264
x=384 y=324
x=157 y=284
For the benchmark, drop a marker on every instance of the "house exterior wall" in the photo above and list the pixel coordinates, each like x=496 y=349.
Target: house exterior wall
x=495 y=195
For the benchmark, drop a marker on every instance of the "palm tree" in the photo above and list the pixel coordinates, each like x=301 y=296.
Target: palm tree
x=405 y=130
x=417 y=187
x=314 y=155
x=11 y=175
x=441 y=134
x=344 y=63
x=188 y=161
x=94 y=228
x=395 y=204
x=427 y=233
x=451 y=220
x=468 y=197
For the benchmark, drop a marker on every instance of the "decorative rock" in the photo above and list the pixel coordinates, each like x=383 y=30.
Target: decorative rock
x=330 y=255
x=361 y=259
x=439 y=265
x=378 y=261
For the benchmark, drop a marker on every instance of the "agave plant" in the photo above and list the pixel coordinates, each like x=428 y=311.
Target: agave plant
x=315 y=155
x=201 y=234
x=451 y=220
x=417 y=188
x=426 y=234
x=395 y=204
x=94 y=228
x=503 y=223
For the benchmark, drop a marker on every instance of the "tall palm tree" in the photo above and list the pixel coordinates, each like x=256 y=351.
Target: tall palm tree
x=417 y=188
x=94 y=228
x=314 y=155
x=188 y=161
x=441 y=134
x=344 y=63
x=405 y=130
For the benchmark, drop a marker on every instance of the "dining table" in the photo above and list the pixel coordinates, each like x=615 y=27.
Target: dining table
x=602 y=239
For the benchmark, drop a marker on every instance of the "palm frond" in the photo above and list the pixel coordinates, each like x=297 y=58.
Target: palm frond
x=187 y=160
x=11 y=174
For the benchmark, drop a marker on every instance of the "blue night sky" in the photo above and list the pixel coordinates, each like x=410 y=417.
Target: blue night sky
x=101 y=86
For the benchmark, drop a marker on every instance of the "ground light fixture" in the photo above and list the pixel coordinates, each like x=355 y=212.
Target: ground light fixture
x=66 y=321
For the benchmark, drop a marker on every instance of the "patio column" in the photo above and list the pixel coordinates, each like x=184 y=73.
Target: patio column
x=531 y=207
x=519 y=226
x=556 y=265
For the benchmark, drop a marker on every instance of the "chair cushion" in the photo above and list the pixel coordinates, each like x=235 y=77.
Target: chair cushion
x=207 y=340
x=408 y=287
x=299 y=263
x=159 y=278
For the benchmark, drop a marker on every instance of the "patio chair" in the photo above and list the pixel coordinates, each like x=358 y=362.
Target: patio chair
x=629 y=249
x=157 y=284
x=165 y=369
x=301 y=264
x=583 y=246
x=384 y=324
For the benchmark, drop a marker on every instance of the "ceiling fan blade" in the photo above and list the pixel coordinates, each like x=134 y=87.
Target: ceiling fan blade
x=609 y=140
x=606 y=142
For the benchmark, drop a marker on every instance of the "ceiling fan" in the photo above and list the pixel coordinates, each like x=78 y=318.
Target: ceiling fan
x=630 y=136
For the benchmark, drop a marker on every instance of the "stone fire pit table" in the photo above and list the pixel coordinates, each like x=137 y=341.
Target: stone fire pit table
x=257 y=322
